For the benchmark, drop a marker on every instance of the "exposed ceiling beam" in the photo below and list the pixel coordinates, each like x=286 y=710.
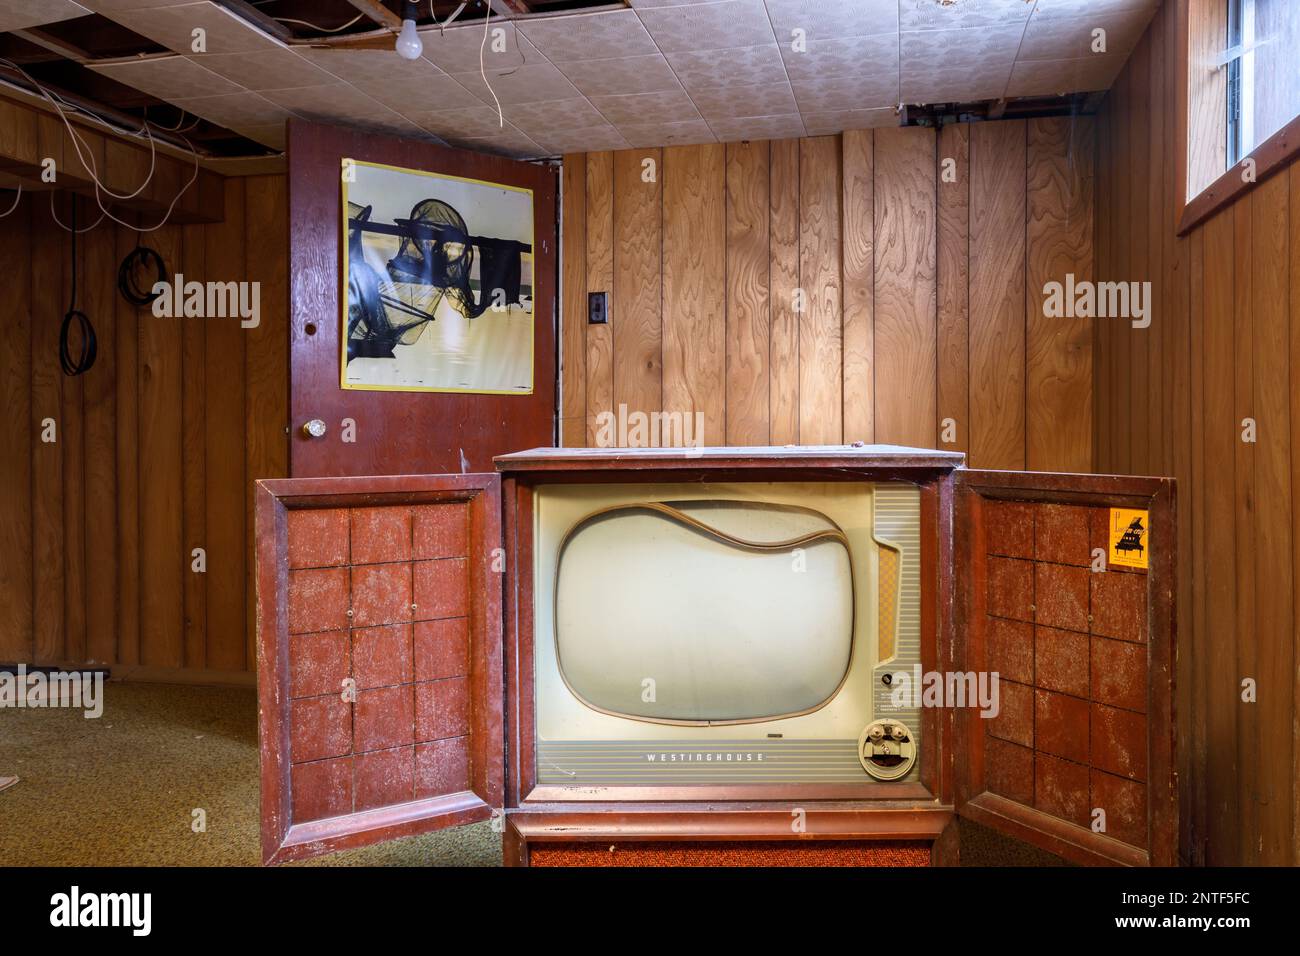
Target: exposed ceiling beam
x=379 y=13
x=64 y=49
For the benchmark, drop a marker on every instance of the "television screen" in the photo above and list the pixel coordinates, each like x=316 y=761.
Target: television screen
x=720 y=633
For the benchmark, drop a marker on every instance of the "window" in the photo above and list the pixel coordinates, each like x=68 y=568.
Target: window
x=1242 y=101
x=1263 y=79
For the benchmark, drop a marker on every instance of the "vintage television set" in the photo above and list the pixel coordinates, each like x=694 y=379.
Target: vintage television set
x=712 y=655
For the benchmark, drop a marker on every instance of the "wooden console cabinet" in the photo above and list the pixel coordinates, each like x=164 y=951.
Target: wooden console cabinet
x=395 y=642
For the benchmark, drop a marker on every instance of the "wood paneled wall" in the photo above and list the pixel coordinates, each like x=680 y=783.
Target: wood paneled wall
x=861 y=286
x=1223 y=346
x=157 y=445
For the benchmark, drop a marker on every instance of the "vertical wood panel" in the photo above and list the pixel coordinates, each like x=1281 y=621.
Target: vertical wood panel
x=784 y=272
x=1058 y=244
x=953 y=283
x=573 y=304
x=1273 y=598
x=906 y=290
x=1294 y=362
x=128 y=470
x=100 y=405
x=72 y=442
x=997 y=295
x=1222 y=436
x=266 y=356
x=748 y=331
x=163 y=562
x=694 y=285
x=48 y=256
x=821 y=369
x=600 y=278
x=1243 y=401
x=194 y=456
x=639 y=261
x=858 y=204
x=16 y=435
x=226 y=416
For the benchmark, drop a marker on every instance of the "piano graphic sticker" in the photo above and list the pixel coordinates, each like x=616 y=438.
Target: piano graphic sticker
x=1128 y=538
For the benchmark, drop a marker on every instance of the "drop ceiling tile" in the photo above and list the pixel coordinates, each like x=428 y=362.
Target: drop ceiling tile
x=369 y=67
x=456 y=50
x=107 y=7
x=1051 y=9
x=436 y=93
x=276 y=69
x=337 y=101
x=173 y=28
x=830 y=19
x=967 y=48
x=843 y=57
x=584 y=140
x=709 y=26
x=473 y=121
x=768 y=99
x=588 y=36
x=1054 y=77
x=830 y=93
x=271 y=134
x=235 y=109
x=508 y=142
x=522 y=84
x=22 y=14
x=539 y=118
x=630 y=74
x=930 y=15
x=836 y=121
x=1066 y=38
x=742 y=66
x=654 y=4
x=784 y=126
x=644 y=109
x=941 y=84
x=166 y=76
x=683 y=133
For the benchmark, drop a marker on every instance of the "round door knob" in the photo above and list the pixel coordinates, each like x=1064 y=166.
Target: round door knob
x=314 y=428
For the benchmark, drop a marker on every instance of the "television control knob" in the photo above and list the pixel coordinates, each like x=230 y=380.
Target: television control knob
x=886 y=749
x=314 y=428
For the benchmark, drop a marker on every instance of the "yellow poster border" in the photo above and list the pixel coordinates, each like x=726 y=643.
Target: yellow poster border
x=344 y=163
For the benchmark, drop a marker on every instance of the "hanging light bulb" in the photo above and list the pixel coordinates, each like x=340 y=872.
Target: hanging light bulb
x=409 y=46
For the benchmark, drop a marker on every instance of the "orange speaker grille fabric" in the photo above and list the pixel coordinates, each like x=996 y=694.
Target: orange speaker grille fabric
x=772 y=853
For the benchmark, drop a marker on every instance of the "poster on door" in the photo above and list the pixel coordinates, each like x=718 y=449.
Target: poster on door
x=437 y=282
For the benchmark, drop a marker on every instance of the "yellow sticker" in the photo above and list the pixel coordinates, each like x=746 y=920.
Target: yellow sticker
x=1128 y=537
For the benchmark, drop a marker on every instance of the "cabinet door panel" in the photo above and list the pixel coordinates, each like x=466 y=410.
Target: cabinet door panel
x=1065 y=590
x=379 y=658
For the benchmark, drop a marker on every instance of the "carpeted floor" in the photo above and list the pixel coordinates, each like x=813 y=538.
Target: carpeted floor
x=121 y=790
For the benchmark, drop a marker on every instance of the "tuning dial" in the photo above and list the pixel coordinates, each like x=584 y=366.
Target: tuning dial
x=886 y=749
x=314 y=428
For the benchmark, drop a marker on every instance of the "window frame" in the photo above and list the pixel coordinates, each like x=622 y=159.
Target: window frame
x=1203 y=143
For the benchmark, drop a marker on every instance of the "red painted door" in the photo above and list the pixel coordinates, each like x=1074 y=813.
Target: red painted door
x=399 y=432
x=1065 y=588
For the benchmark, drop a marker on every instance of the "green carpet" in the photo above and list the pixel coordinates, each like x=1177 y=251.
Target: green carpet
x=121 y=790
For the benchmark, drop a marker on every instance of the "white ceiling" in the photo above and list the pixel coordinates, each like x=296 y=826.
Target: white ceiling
x=661 y=73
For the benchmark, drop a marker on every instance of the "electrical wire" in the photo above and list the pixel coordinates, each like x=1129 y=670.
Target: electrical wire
x=137 y=259
x=73 y=228
x=88 y=160
x=320 y=29
x=15 y=205
x=82 y=362
x=501 y=120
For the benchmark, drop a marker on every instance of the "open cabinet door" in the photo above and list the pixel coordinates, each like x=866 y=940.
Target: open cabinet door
x=1065 y=589
x=379 y=658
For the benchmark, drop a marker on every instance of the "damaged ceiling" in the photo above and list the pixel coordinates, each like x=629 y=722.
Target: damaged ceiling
x=570 y=75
